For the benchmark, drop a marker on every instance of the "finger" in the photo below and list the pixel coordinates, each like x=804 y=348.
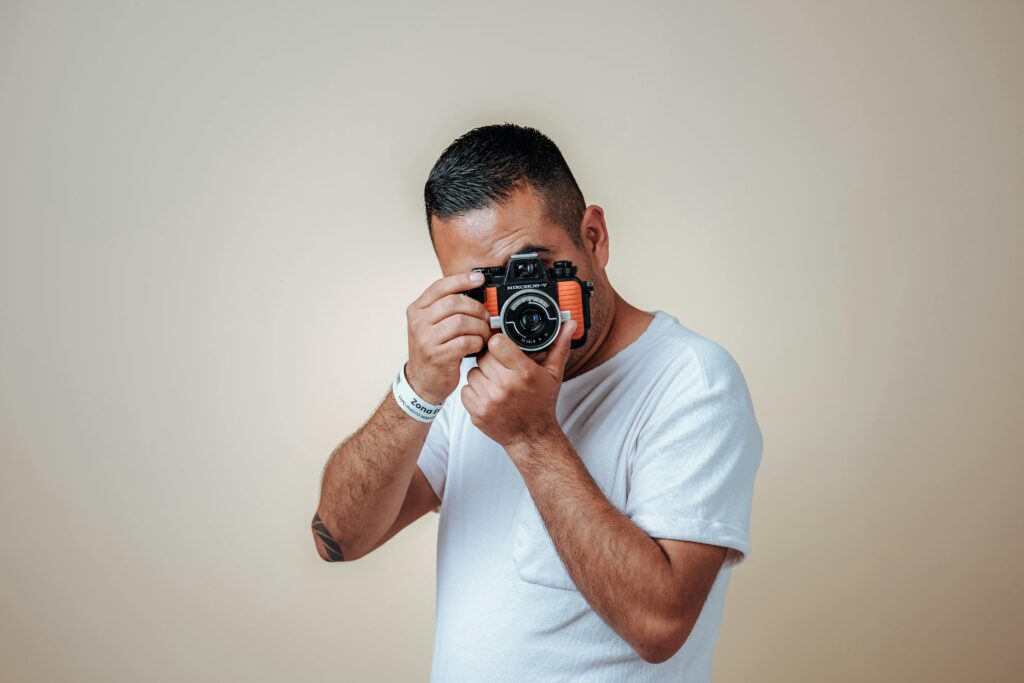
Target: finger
x=450 y=284
x=559 y=350
x=469 y=397
x=458 y=325
x=476 y=379
x=490 y=366
x=461 y=346
x=456 y=303
x=507 y=352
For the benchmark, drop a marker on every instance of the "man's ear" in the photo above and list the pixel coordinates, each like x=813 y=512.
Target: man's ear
x=594 y=233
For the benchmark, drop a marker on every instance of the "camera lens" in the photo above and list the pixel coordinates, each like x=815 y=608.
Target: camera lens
x=531 y=320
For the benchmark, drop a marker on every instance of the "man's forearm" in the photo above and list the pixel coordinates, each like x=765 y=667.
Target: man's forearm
x=365 y=481
x=622 y=571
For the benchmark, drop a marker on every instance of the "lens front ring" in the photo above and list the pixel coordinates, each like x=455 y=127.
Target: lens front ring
x=528 y=301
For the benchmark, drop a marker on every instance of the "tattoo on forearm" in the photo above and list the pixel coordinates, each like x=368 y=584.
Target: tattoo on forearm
x=330 y=545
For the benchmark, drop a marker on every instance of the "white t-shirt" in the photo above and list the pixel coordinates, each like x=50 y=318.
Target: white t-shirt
x=667 y=430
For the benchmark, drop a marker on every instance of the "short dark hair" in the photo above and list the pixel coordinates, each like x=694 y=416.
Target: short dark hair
x=483 y=167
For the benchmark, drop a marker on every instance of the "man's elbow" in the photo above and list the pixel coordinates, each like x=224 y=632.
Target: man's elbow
x=327 y=554
x=327 y=546
x=658 y=645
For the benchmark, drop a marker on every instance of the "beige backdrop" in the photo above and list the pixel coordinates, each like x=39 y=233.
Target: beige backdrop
x=212 y=223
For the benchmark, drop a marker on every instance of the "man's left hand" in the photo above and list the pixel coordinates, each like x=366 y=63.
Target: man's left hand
x=510 y=396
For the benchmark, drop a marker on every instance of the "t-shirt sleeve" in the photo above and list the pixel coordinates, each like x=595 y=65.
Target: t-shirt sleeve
x=433 y=457
x=692 y=474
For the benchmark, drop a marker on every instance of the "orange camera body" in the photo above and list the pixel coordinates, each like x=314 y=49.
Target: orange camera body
x=528 y=303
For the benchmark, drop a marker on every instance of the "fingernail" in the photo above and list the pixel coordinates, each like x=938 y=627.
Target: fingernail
x=476 y=276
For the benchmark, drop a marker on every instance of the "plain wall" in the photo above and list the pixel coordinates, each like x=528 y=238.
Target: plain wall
x=212 y=223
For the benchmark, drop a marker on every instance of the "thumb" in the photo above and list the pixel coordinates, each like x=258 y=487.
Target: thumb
x=559 y=351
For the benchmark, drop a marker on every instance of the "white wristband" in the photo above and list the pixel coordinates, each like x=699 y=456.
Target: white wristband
x=410 y=401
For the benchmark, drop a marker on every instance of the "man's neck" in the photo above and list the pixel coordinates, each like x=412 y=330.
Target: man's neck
x=625 y=324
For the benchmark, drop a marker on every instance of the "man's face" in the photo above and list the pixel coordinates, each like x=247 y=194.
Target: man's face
x=488 y=236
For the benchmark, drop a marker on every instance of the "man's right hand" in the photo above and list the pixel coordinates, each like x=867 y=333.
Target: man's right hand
x=444 y=326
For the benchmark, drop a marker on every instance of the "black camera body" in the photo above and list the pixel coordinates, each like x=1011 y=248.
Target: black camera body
x=529 y=303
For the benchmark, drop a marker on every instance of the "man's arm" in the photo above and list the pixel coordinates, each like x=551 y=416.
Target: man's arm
x=650 y=591
x=368 y=491
x=365 y=484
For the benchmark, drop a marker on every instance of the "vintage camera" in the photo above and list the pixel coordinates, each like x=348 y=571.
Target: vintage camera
x=529 y=303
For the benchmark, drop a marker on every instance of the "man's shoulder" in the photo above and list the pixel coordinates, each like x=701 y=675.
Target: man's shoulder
x=696 y=364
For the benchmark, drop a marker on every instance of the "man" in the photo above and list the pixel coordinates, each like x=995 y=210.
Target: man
x=594 y=500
